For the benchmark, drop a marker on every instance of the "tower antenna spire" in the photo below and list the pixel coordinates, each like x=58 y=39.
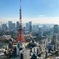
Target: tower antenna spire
x=20 y=16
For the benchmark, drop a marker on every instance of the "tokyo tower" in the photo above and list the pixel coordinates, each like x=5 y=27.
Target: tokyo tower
x=20 y=32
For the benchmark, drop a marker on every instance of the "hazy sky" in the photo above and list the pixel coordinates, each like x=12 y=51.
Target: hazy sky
x=37 y=11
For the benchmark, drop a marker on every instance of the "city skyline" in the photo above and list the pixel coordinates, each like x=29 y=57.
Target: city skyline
x=40 y=11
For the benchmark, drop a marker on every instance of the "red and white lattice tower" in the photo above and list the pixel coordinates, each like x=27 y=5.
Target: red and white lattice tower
x=20 y=32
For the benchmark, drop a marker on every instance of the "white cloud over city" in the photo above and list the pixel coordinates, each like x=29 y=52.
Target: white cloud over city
x=40 y=20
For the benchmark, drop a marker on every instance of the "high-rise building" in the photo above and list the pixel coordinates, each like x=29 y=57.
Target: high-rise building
x=11 y=26
x=40 y=32
x=24 y=29
x=27 y=26
x=17 y=25
x=35 y=28
x=54 y=41
x=56 y=29
x=45 y=28
x=4 y=27
x=30 y=26
x=55 y=36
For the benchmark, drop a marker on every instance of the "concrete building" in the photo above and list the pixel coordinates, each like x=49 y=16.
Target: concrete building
x=25 y=54
x=35 y=50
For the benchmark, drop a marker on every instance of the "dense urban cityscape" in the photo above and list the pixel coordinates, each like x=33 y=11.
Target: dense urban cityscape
x=42 y=39
x=29 y=41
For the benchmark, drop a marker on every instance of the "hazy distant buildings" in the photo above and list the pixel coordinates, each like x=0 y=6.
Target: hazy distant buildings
x=29 y=27
x=56 y=29
x=4 y=27
x=17 y=25
x=11 y=26
x=24 y=29
x=35 y=28
x=40 y=32
x=45 y=28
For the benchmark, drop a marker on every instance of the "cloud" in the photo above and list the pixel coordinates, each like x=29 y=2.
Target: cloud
x=40 y=20
x=43 y=20
x=5 y=20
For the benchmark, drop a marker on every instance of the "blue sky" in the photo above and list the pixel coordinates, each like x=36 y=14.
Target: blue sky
x=30 y=9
